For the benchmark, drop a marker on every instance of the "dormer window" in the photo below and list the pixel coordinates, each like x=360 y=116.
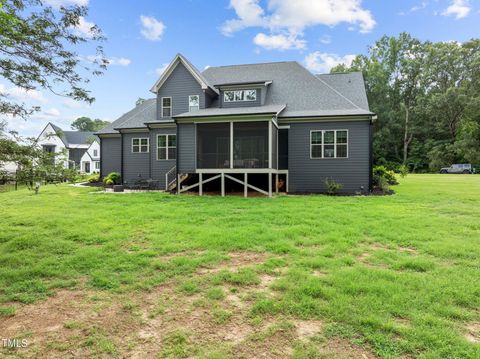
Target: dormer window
x=240 y=95
x=193 y=103
x=166 y=106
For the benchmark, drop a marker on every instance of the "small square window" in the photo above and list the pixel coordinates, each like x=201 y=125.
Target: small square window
x=250 y=95
x=140 y=145
x=229 y=96
x=193 y=103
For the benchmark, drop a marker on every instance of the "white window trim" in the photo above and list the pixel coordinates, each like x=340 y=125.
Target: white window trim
x=166 y=146
x=97 y=165
x=171 y=106
x=140 y=144
x=189 y=102
x=334 y=145
x=244 y=96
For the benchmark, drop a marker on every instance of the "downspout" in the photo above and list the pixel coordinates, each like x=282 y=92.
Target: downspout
x=176 y=157
x=370 y=167
x=121 y=157
x=101 y=158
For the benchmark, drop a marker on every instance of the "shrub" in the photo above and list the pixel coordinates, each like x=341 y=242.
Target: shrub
x=108 y=181
x=383 y=184
x=403 y=171
x=114 y=177
x=381 y=171
x=93 y=178
x=332 y=186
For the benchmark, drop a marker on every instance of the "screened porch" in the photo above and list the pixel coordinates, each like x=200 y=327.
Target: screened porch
x=233 y=145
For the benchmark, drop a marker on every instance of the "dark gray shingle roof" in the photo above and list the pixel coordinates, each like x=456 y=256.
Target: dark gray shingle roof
x=78 y=137
x=135 y=118
x=350 y=85
x=215 y=111
x=304 y=93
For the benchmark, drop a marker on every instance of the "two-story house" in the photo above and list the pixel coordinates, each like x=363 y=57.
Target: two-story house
x=248 y=127
x=73 y=149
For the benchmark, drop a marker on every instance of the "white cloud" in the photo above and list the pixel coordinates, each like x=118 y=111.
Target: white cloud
x=52 y=112
x=279 y=42
x=113 y=61
x=458 y=8
x=159 y=70
x=326 y=39
x=58 y=3
x=119 y=61
x=152 y=29
x=84 y=27
x=322 y=62
x=21 y=94
x=71 y=103
x=292 y=17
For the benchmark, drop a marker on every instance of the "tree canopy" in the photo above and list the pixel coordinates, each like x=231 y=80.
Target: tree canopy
x=37 y=52
x=87 y=124
x=427 y=98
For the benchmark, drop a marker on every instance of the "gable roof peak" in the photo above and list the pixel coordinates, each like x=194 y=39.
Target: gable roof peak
x=179 y=58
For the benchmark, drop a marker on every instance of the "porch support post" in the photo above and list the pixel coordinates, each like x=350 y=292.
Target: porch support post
x=178 y=183
x=200 y=184
x=231 y=144
x=245 y=185
x=223 y=184
x=270 y=143
x=276 y=183
x=286 y=177
x=269 y=184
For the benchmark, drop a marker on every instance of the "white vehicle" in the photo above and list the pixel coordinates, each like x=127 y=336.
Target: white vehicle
x=458 y=168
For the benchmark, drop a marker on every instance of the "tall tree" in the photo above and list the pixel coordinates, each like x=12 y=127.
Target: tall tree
x=37 y=52
x=87 y=124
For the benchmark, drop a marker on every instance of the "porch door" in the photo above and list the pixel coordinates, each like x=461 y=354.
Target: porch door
x=87 y=167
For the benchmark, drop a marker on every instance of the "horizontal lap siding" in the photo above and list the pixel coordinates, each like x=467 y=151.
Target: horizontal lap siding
x=136 y=166
x=110 y=155
x=186 y=147
x=308 y=175
x=160 y=167
x=179 y=85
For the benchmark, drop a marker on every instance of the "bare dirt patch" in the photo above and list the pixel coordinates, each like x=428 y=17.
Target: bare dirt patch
x=342 y=348
x=473 y=333
x=62 y=324
x=308 y=328
x=236 y=261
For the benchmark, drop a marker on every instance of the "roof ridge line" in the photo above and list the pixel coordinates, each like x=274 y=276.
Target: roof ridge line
x=338 y=92
x=250 y=64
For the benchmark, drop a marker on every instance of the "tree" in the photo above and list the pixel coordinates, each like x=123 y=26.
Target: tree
x=37 y=52
x=87 y=124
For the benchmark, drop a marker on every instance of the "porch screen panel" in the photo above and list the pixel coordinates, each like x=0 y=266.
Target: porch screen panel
x=250 y=145
x=213 y=145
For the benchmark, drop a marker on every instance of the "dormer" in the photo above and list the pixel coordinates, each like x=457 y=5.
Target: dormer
x=245 y=94
x=181 y=88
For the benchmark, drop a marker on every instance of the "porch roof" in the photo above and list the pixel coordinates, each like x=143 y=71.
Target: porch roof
x=234 y=111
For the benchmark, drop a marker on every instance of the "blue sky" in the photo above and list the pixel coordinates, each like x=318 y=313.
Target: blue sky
x=144 y=35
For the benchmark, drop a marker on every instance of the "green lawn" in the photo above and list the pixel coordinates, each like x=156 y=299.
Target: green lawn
x=301 y=276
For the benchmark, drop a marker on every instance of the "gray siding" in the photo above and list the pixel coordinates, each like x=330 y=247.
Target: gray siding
x=257 y=102
x=179 y=85
x=160 y=167
x=135 y=165
x=110 y=155
x=186 y=147
x=308 y=175
x=75 y=154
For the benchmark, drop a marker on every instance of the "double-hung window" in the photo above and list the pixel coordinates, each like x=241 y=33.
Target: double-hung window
x=140 y=145
x=193 y=103
x=329 y=144
x=166 y=107
x=97 y=165
x=166 y=147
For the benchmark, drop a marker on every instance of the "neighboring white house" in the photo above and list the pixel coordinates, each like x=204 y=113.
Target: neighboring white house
x=90 y=161
x=70 y=146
